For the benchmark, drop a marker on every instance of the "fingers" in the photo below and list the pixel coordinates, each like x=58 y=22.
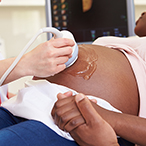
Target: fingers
x=65 y=51
x=58 y=47
x=49 y=57
x=56 y=53
x=62 y=42
x=61 y=96
x=58 y=69
x=70 y=120
x=60 y=60
x=95 y=128
x=62 y=106
x=94 y=100
x=63 y=46
x=64 y=100
x=58 y=57
x=74 y=123
x=86 y=108
x=66 y=94
x=66 y=114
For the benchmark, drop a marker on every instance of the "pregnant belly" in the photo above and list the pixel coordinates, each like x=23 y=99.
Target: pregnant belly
x=110 y=77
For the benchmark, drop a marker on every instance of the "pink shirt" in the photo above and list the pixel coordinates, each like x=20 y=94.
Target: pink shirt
x=134 y=49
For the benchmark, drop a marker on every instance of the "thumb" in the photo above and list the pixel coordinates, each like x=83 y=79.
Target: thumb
x=86 y=108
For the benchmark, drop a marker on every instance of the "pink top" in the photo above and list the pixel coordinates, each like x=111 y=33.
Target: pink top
x=134 y=49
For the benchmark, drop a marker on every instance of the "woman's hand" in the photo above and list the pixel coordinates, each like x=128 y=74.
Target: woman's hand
x=65 y=112
x=77 y=116
x=95 y=131
x=48 y=58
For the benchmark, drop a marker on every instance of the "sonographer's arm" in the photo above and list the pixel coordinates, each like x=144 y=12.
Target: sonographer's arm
x=45 y=60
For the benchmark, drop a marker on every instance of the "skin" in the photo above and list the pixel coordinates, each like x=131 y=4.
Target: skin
x=140 y=28
x=100 y=123
x=113 y=80
x=105 y=115
x=68 y=116
x=48 y=59
x=94 y=123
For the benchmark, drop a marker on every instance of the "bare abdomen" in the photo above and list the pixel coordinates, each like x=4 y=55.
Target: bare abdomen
x=113 y=80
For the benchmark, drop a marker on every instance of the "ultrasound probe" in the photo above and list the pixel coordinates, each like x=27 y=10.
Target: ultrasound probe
x=57 y=34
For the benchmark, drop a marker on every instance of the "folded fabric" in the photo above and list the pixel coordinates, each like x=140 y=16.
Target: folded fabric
x=37 y=100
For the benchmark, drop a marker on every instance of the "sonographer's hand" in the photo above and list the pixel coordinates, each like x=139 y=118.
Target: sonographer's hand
x=48 y=58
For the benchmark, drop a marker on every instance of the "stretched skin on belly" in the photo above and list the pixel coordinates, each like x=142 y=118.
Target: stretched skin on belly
x=110 y=77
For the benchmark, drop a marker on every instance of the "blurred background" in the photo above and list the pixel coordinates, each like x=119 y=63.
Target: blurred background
x=16 y=20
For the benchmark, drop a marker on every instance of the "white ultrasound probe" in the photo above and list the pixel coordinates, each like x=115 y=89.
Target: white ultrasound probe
x=57 y=34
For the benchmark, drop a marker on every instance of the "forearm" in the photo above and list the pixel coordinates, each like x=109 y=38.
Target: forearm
x=131 y=128
x=18 y=72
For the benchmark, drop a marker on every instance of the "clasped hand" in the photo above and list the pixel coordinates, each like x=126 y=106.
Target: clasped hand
x=76 y=115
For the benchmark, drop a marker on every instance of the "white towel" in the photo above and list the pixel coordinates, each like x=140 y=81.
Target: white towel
x=36 y=102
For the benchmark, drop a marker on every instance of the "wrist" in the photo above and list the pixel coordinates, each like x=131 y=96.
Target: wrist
x=21 y=69
x=107 y=115
x=14 y=74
